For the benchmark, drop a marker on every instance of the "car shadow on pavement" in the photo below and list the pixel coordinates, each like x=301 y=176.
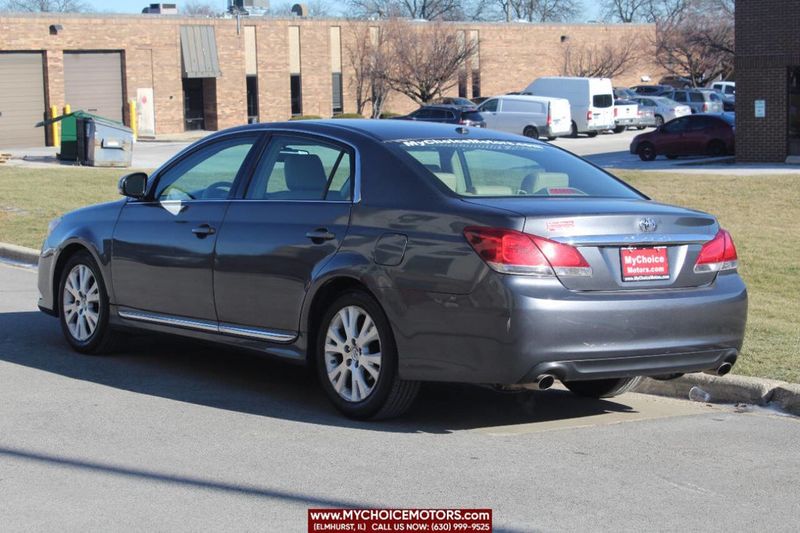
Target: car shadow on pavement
x=223 y=378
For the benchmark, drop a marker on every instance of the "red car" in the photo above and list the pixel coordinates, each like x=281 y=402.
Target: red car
x=698 y=134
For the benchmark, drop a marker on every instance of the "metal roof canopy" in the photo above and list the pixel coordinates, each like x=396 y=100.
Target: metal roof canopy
x=199 y=52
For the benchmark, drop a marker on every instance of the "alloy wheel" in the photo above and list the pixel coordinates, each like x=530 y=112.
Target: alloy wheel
x=81 y=302
x=353 y=353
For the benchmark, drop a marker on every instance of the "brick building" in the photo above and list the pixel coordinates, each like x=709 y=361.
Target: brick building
x=213 y=73
x=767 y=80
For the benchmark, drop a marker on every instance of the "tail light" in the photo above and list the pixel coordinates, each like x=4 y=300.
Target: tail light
x=513 y=252
x=705 y=107
x=717 y=255
x=549 y=118
x=588 y=115
x=616 y=111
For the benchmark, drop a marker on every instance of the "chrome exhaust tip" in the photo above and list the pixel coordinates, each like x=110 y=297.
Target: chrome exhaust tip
x=721 y=370
x=545 y=381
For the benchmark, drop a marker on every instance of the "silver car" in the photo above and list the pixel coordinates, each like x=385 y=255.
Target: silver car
x=386 y=253
x=699 y=100
x=663 y=108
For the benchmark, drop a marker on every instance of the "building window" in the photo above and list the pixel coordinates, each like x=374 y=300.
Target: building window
x=336 y=82
x=337 y=104
x=295 y=79
x=297 y=94
x=252 y=99
x=462 y=84
x=476 y=83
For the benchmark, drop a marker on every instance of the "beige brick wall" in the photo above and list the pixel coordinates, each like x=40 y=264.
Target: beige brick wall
x=511 y=56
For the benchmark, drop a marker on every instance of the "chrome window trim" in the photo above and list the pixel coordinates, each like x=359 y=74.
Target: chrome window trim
x=215 y=137
x=206 y=325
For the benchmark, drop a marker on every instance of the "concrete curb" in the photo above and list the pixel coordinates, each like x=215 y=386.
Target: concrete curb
x=21 y=254
x=729 y=389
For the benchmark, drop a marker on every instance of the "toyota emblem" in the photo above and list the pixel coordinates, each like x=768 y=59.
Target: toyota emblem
x=648 y=224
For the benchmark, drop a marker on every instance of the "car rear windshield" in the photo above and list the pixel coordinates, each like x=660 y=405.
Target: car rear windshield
x=472 y=115
x=603 y=100
x=696 y=97
x=497 y=168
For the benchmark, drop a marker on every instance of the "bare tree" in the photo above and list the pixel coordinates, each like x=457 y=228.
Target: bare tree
x=699 y=45
x=204 y=9
x=426 y=58
x=367 y=54
x=538 y=10
x=646 y=10
x=604 y=60
x=44 y=6
x=415 y=9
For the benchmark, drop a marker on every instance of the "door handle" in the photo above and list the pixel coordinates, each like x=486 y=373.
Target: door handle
x=320 y=235
x=203 y=230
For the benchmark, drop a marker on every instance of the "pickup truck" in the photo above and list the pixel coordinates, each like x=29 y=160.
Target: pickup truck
x=626 y=113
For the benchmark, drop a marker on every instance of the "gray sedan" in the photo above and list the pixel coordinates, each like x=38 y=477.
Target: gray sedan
x=389 y=253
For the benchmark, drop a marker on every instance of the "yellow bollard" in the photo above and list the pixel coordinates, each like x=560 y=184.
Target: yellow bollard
x=67 y=109
x=55 y=127
x=132 y=114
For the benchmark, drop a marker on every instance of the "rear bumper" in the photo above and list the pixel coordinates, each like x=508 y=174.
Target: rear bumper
x=557 y=131
x=625 y=121
x=512 y=329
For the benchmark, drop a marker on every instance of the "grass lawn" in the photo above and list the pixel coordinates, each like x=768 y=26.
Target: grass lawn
x=761 y=212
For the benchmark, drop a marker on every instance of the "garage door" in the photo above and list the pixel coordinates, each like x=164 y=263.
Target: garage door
x=93 y=83
x=21 y=100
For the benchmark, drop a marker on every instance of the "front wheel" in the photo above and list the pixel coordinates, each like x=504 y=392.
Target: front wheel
x=591 y=133
x=647 y=152
x=531 y=132
x=619 y=129
x=83 y=306
x=602 y=388
x=659 y=121
x=357 y=360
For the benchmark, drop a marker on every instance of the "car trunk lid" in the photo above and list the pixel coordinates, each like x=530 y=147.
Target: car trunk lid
x=629 y=244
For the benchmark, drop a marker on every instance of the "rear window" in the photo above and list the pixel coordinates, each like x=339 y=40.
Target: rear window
x=696 y=97
x=497 y=168
x=472 y=115
x=603 y=100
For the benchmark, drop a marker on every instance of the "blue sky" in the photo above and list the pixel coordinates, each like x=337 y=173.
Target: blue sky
x=135 y=6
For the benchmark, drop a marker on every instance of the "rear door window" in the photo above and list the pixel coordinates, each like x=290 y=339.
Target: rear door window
x=676 y=126
x=603 y=100
x=697 y=97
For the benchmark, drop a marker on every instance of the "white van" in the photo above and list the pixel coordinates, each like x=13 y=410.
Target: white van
x=532 y=116
x=591 y=101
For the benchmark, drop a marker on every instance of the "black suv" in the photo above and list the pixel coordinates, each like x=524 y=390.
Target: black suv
x=446 y=114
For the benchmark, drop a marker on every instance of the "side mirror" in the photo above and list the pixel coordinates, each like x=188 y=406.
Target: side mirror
x=133 y=185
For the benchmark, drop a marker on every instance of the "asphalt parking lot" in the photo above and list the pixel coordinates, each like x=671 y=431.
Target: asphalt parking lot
x=169 y=435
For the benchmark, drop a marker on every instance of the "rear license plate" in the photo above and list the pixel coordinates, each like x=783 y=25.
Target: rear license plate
x=644 y=264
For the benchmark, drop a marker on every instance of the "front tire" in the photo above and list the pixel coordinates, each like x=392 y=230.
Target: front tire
x=619 y=129
x=531 y=132
x=646 y=151
x=716 y=148
x=573 y=132
x=356 y=360
x=659 y=121
x=591 y=134
x=83 y=306
x=602 y=388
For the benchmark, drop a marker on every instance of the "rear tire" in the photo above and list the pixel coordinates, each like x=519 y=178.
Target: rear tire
x=659 y=121
x=672 y=156
x=716 y=148
x=619 y=129
x=531 y=132
x=353 y=331
x=592 y=134
x=573 y=132
x=646 y=151
x=602 y=388
x=640 y=127
x=83 y=308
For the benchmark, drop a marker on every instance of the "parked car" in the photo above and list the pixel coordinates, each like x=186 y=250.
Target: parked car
x=480 y=99
x=678 y=82
x=591 y=101
x=664 y=109
x=626 y=113
x=532 y=116
x=459 y=102
x=700 y=101
x=728 y=88
x=623 y=93
x=388 y=253
x=700 y=134
x=447 y=114
x=651 y=90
